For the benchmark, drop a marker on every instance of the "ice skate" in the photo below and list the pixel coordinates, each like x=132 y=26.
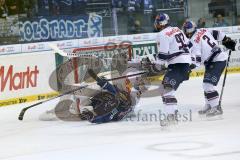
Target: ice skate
x=204 y=110
x=214 y=111
x=170 y=120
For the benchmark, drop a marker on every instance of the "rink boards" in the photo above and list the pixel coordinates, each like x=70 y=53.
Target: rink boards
x=25 y=69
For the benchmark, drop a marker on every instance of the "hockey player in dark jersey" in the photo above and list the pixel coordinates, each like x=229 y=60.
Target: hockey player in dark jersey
x=112 y=104
x=115 y=103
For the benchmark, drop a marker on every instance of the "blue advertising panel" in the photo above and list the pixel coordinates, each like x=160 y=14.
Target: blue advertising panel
x=60 y=28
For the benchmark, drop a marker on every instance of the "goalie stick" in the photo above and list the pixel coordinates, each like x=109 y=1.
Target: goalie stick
x=21 y=115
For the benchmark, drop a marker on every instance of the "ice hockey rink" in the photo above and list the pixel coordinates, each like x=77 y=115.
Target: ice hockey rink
x=200 y=139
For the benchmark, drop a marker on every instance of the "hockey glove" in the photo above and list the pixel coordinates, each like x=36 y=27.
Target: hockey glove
x=152 y=69
x=229 y=43
x=192 y=66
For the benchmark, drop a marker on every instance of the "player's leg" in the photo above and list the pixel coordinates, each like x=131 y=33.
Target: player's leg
x=212 y=75
x=176 y=74
x=211 y=97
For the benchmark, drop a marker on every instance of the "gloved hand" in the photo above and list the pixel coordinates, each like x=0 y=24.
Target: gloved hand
x=152 y=68
x=229 y=43
x=192 y=66
x=101 y=81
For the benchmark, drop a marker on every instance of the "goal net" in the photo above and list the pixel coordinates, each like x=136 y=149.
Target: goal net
x=108 y=60
x=102 y=59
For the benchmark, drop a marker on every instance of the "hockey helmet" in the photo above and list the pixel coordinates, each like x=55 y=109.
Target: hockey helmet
x=161 y=21
x=189 y=28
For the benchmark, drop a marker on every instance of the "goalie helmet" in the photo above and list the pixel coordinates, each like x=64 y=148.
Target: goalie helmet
x=161 y=21
x=189 y=28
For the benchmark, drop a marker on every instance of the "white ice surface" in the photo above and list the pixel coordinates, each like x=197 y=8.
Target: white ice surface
x=200 y=139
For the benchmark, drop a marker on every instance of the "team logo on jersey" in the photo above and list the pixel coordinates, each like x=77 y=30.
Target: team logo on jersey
x=199 y=35
x=214 y=79
x=174 y=30
x=173 y=82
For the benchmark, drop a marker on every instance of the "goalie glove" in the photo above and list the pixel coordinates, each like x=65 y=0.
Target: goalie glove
x=152 y=68
x=229 y=43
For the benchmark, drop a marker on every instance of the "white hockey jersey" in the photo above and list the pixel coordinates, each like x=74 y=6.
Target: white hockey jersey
x=204 y=45
x=172 y=46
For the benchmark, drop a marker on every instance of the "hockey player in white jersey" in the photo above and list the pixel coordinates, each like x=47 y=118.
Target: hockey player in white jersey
x=174 y=52
x=204 y=45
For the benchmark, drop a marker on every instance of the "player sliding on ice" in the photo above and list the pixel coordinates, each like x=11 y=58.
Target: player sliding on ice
x=116 y=101
x=111 y=104
x=107 y=101
x=204 y=45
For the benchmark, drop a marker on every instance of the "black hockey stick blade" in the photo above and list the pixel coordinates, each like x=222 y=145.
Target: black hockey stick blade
x=21 y=115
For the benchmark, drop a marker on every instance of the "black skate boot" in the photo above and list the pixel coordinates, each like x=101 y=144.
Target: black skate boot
x=214 y=111
x=204 y=110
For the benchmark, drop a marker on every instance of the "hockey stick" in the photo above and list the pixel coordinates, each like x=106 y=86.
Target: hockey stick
x=21 y=115
x=224 y=79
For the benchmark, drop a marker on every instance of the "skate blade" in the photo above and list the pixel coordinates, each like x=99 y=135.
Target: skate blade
x=215 y=118
x=168 y=123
